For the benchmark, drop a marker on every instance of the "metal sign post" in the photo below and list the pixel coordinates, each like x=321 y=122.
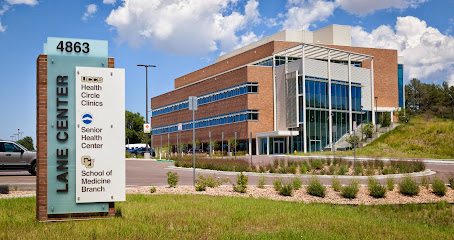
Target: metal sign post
x=209 y=134
x=222 y=144
x=334 y=141
x=250 y=145
x=193 y=107
x=180 y=128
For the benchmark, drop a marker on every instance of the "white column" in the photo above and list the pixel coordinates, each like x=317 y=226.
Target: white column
x=372 y=94
x=303 y=77
x=330 y=127
x=288 y=144
x=350 y=122
x=267 y=145
x=250 y=144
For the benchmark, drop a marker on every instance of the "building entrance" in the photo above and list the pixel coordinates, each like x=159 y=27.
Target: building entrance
x=279 y=147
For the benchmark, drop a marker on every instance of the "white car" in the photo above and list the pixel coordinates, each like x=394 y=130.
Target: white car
x=15 y=156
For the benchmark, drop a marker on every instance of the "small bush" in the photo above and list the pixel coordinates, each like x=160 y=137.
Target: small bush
x=316 y=188
x=153 y=189
x=262 y=182
x=277 y=184
x=408 y=186
x=286 y=189
x=438 y=187
x=316 y=164
x=351 y=189
x=451 y=181
x=328 y=161
x=276 y=163
x=376 y=189
x=172 y=179
x=297 y=183
x=200 y=187
x=425 y=182
x=332 y=170
x=390 y=184
x=342 y=170
x=336 y=185
x=241 y=183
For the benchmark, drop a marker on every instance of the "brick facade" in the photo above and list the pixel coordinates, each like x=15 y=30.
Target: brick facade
x=41 y=152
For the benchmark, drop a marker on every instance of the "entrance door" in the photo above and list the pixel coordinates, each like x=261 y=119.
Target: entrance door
x=279 y=147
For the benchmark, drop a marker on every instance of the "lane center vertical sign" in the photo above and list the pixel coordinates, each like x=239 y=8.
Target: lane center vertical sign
x=100 y=163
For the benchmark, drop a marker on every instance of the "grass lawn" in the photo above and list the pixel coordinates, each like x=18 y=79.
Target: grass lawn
x=205 y=217
x=420 y=138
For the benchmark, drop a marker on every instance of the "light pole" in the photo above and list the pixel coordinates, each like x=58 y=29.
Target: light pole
x=362 y=123
x=146 y=102
x=376 y=98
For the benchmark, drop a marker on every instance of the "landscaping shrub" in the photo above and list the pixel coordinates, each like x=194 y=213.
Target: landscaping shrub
x=316 y=188
x=336 y=185
x=297 y=183
x=328 y=161
x=276 y=163
x=351 y=189
x=368 y=129
x=408 y=186
x=438 y=187
x=385 y=119
x=277 y=184
x=262 y=169
x=153 y=189
x=342 y=170
x=282 y=163
x=359 y=170
x=451 y=181
x=316 y=164
x=376 y=189
x=200 y=187
x=379 y=164
x=286 y=189
x=172 y=179
x=425 y=182
x=390 y=184
x=209 y=181
x=262 y=182
x=332 y=170
x=241 y=183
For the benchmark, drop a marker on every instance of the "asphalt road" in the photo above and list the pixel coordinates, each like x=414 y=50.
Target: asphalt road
x=147 y=173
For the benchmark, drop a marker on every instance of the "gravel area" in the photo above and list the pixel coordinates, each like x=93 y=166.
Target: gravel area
x=393 y=197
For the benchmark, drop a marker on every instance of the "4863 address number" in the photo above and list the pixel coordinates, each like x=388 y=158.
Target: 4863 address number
x=76 y=47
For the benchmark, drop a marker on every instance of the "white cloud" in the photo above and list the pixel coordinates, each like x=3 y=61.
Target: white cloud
x=26 y=2
x=246 y=39
x=302 y=13
x=109 y=2
x=91 y=10
x=183 y=26
x=427 y=52
x=2 y=28
x=451 y=80
x=364 y=7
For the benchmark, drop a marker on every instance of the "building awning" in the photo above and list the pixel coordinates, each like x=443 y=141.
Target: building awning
x=277 y=134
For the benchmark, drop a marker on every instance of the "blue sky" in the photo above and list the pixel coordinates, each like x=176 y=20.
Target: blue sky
x=180 y=36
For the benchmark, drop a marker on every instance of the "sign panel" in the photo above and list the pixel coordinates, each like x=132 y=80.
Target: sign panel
x=64 y=55
x=100 y=131
x=354 y=125
x=193 y=103
x=180 y=126
x=146 y=128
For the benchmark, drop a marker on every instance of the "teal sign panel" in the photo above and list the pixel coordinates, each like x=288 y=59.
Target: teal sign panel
x=63 y=55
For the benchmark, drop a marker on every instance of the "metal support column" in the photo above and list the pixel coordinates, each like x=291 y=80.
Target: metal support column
x=303 y=76
x=329 y=101
x=350 y=121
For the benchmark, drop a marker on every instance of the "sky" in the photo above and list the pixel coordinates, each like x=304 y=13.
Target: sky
x=181 y=36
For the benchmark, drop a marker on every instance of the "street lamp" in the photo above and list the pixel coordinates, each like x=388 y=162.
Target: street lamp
x=146 y=101
x=376 y=114
x=362 y=126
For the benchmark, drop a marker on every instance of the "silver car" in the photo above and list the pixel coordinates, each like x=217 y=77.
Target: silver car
x=15 y=156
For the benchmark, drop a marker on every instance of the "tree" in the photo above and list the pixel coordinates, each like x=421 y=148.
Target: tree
x=134 y=128
x=27 y=142
x=232 y=143
x=385 y=119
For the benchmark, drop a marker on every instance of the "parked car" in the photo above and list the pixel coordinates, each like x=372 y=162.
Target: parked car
x=17 y=157
x=142 y=150
x=197 y=151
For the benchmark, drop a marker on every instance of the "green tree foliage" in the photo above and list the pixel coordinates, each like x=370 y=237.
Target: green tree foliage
x=385 y=119
x=134 y=127
x=27 y=142
x=232 y=143
x=432 y=99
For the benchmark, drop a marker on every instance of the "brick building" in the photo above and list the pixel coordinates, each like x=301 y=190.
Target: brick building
x=259 y=89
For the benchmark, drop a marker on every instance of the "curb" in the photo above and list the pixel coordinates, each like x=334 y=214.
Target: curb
x=427 y=172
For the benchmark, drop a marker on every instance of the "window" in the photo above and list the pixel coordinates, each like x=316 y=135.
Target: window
x=11 y=147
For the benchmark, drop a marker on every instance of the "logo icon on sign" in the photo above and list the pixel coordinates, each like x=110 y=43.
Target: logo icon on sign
x=87 y=118
x=88 y=162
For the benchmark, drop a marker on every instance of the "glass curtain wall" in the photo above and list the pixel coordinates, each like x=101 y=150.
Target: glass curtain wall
x=317 y=111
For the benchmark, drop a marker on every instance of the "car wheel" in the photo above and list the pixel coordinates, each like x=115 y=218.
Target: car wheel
x=33 y=169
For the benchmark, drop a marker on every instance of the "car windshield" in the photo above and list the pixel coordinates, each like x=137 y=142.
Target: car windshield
x=26 y=149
